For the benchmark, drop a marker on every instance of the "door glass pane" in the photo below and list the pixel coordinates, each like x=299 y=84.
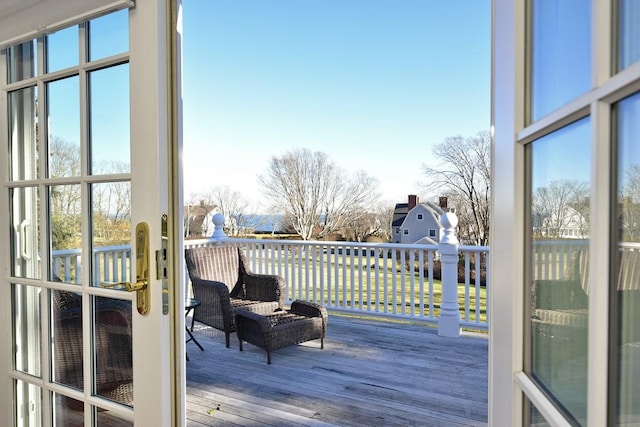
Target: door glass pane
x=109 y=35
x=560 y=248
x=64 y=127
x=111 y=222
x=66 y=233
x=628 y=33
x=560 y=53
x=109 y=419
x=28 y=404
x=25 y=227
x=626 y=287
x=67 y=412
x=66 y=330
x=113 y=350
x=109 y=92
x=26 y=328
x=62 y=49
x=22 y=61
x=23 y=142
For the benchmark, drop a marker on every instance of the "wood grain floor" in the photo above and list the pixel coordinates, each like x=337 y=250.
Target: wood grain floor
x=370 y=373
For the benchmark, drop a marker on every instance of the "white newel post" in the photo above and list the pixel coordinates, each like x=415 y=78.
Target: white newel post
x=218 y=231
x=449 y=320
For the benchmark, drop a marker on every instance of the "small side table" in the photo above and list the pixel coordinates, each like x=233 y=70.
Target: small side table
x=189 y=305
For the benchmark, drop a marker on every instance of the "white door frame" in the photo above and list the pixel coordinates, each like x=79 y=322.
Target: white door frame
x=158 y=358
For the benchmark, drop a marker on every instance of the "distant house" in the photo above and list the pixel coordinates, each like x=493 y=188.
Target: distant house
x=566 y=223
x=197 y=220
x=415 y=222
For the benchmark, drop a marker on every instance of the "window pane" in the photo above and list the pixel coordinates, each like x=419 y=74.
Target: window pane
x=23 y=142
x=111 y=223
x=25 y=230
x=66 y=233
x=66 y=329
x=22 y=61
x=109 y=35
x=559 y=281
x=68 y=412
x=63 y=97
x=627 y=287
x=629 y=33
x=109 y=122
x=62 y=49
x=28 y=404
x=113 y=350
x=560 y=53
x=26 y=328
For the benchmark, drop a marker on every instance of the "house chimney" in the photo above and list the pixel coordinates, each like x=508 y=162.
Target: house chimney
x=443 y=202
x=413 y=201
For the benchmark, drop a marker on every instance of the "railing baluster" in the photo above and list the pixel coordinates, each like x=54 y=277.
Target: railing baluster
x=467 y=281
x=360 y=279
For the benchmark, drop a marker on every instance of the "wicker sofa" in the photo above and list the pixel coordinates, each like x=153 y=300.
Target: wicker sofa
x=223 y=282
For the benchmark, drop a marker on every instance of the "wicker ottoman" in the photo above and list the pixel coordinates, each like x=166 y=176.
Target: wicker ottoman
x=304 y=321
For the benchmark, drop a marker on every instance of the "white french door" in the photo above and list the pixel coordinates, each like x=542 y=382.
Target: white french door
x=89 y=125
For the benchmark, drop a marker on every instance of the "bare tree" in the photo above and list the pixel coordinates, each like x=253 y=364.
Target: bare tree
x=318 y=196
x=64 y=158
x=375 y=223
x=384 y=212
x=464 y=176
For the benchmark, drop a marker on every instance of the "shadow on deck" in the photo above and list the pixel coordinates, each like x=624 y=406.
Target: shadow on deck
x=370 y=373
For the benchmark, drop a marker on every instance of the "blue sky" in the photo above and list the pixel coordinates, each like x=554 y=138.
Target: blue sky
x=374 y=84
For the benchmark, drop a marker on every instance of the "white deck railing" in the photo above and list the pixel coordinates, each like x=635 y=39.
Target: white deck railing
x=371 y=279
x=381 y=279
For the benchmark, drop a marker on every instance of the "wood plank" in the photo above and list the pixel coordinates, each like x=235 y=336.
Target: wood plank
x=369 y=373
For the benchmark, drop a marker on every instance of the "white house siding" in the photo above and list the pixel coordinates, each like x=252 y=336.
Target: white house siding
x=418 y=229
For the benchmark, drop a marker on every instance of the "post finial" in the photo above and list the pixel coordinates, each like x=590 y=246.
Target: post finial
x=218 y=232
x=449 y=221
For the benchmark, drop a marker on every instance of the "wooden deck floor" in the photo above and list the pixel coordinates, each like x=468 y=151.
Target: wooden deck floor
x=370 y=373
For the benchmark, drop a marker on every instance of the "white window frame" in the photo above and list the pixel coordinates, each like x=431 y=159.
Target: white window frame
x=507 y=380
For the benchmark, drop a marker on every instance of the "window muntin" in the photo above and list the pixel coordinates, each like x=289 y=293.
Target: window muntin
x=559 y=284
x=560 y=54
x=625 y=289
x=628 y=33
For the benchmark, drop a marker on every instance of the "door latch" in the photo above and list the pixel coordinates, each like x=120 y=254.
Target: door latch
x=141 y=285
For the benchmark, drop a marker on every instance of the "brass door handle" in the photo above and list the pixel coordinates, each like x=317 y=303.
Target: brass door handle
x=130 y=287
x=141 y=285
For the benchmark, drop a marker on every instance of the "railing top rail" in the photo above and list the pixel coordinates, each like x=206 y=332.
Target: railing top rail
x=568 y=242
x=371 y=245
x=473 y=248
x=76 y=251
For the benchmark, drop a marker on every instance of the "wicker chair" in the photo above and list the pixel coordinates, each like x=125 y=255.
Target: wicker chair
x=223 y=282
x=113 y=346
